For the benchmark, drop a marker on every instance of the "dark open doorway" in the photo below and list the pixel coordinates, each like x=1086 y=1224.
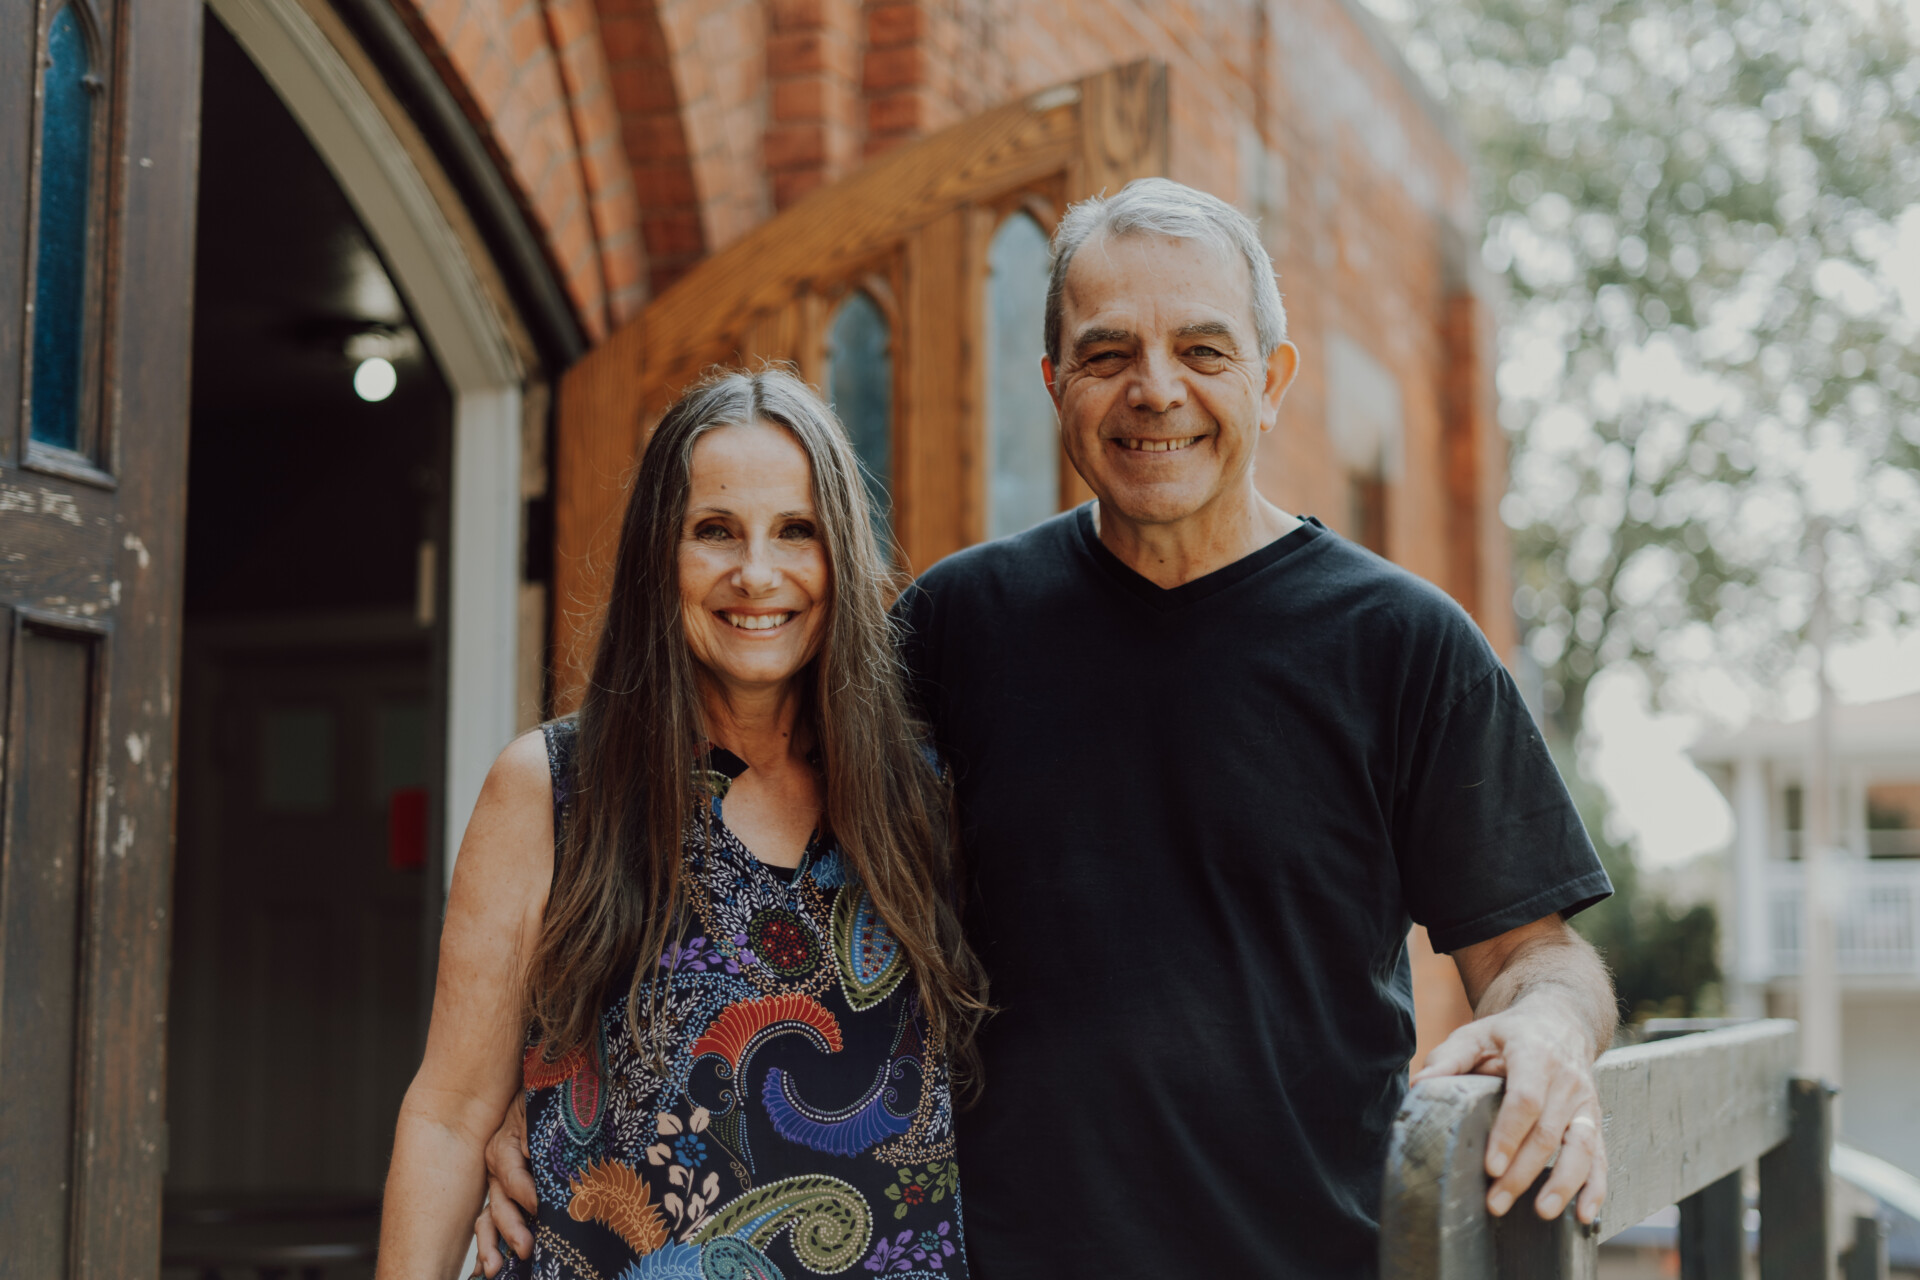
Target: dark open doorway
x=311 y=700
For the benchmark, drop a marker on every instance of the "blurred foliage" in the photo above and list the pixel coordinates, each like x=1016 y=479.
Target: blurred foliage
x=1707 y=215
x=1665 y=962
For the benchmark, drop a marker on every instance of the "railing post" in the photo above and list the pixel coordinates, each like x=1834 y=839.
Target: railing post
x=1796 y=1189
x=1713 y=1232
x=1525 y=1247
x=1433 y=1211
x=1866 y=1257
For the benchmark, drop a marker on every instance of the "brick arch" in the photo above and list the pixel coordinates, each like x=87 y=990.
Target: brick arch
x=689 y=79
x=534 y=79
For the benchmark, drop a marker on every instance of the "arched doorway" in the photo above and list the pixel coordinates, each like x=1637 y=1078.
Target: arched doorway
x=353 y=637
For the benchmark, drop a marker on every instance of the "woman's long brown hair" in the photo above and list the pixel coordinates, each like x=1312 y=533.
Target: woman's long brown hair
x=617 y=895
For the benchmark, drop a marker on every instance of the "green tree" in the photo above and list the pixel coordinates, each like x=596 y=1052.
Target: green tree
x=1703 y=211
x=1665 y=962
x=1706 y=214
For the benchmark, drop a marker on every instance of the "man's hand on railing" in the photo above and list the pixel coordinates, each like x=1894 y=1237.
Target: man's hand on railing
x=1546 y=1010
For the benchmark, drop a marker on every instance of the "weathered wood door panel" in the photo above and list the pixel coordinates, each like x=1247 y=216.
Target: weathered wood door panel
x=54 y=690
x=911 y=231
x=100 y=101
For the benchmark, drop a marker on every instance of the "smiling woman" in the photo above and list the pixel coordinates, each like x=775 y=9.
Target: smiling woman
x=753 y=567
x=715 y=883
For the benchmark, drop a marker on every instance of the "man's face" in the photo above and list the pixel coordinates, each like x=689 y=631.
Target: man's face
x=1160 y=386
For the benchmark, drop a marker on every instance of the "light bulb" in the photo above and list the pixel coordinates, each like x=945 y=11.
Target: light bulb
x=375 y=378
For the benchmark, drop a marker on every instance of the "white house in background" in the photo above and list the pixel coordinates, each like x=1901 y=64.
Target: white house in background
x=1876 y=803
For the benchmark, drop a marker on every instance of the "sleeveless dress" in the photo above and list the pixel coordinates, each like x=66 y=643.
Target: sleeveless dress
x=801 y=1125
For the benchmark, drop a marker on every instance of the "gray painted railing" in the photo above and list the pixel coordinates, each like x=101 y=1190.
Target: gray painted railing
x=1683 y=1118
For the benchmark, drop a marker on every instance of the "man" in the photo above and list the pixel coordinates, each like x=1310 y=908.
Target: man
x=1210 y=759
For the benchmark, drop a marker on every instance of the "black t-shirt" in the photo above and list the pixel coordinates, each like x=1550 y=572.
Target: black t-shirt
x=1197 y=822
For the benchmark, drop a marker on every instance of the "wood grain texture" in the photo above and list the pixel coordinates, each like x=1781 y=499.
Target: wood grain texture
x=1433 y=1213
x=905 y=218
x=937 y=511
x=122 y=1092
x=17 y=17
x=1124 y=128
x=51 y=730
x=1679 y=1114
x=1682 y=1113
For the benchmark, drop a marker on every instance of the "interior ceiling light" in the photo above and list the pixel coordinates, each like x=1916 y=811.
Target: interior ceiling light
x=374 y=378
x=374 y=351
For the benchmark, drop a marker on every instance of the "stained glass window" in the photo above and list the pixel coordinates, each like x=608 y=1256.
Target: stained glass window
x=1023 y=447
x=860 y=384
x=60 y=270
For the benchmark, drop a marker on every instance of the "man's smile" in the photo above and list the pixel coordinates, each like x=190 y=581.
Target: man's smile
x=1135 y=444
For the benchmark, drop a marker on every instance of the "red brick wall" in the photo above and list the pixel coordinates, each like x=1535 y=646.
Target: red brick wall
x=729 y=110
x=533 y=75
x=689 y=78
x=931 y=63
x=653 y=138
x=814 y=124
x=718 y=52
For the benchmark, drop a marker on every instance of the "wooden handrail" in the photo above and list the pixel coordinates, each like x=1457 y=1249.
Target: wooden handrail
x=1683 y=1117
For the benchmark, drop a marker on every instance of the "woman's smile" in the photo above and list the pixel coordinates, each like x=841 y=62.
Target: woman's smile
x=741 y=620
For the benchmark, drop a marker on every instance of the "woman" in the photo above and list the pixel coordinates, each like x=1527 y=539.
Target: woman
x=720 y=900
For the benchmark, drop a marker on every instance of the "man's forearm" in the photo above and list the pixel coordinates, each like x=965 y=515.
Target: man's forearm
x=1564 y=971
x=1543 y=1011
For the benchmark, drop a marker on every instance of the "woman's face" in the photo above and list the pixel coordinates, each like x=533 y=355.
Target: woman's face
x=754 y=579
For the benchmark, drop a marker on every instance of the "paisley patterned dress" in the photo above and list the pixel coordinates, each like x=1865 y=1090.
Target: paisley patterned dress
x=799 y=1123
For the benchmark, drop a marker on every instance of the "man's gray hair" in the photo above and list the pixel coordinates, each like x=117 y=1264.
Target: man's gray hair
x=1159 y=207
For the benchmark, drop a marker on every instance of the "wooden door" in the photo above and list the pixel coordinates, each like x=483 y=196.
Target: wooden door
x=909 y=234
x=298 y=1000
x=99 y=105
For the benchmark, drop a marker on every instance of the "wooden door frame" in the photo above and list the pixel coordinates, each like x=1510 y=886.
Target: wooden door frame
x=95 y=560
x=438 y=262
x=911 y=206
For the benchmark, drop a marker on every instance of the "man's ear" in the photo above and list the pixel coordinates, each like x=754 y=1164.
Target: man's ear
x=1282 y=367
x=1046 y=372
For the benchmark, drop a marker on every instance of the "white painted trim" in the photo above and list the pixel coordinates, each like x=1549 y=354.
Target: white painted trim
x=484 y=591
x=470 y=343
x=1752 y=840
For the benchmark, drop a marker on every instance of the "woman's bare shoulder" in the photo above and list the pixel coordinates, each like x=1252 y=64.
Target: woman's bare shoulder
x=520 y=771
x=511 y=830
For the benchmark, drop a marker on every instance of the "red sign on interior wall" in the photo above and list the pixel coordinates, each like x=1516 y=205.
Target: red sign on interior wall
x=407 y=829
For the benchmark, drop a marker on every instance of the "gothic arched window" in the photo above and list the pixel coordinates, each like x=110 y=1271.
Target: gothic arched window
x=860 y=385
x=61 y=232
x=1023 y=445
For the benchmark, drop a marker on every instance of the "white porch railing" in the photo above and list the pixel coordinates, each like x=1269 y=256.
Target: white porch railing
x=1876 y=918
x=1873 y=843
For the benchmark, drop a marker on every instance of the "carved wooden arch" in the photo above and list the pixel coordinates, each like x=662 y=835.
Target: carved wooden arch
x=919 y=217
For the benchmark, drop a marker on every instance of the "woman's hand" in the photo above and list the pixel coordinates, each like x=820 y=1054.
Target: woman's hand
x=471 y=1071
x=509 y=1190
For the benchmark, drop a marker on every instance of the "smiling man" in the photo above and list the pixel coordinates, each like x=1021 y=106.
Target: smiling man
x=1211 y=758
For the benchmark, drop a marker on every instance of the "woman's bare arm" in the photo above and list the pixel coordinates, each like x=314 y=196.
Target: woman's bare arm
x=471 y=1070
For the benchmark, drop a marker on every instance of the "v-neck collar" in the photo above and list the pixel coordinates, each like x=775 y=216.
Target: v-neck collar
x=719 y=768
x=1187 y=593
